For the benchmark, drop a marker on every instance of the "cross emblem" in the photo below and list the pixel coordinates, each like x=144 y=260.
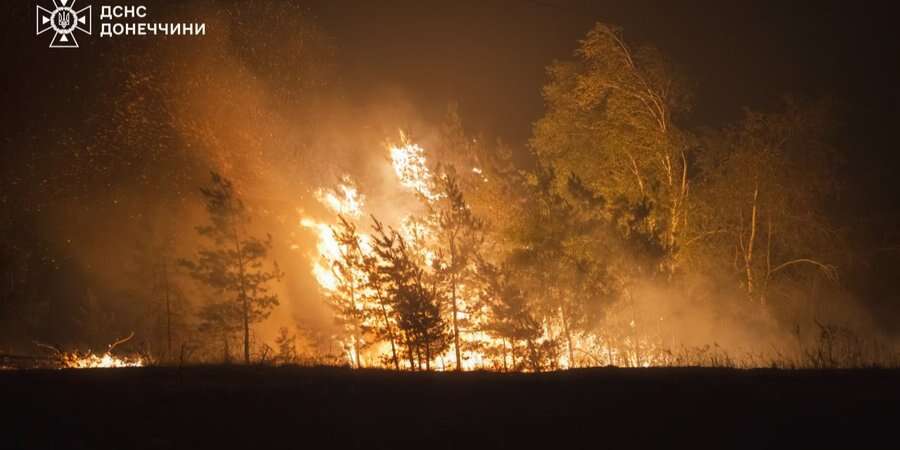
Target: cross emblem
x=64 y=20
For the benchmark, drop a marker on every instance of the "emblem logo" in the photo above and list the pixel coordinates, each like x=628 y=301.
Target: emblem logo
x=64 y=20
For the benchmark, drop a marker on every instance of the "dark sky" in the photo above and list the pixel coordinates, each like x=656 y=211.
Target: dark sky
x=490 y=56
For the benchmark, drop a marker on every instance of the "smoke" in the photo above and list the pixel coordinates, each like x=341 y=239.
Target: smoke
x=263 y=106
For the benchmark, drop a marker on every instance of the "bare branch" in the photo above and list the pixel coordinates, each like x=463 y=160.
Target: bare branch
x=50 y=347
x=829 y=270
x=120 y=341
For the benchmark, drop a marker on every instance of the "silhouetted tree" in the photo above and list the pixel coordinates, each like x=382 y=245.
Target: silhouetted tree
x=511 y=318
x=459 y=236
x=287 y=346
x=348 y=296
x=233 y=265
x=414 y=299
x=379 y=284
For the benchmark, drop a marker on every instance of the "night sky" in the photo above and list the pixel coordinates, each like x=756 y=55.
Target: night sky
x=490 y=57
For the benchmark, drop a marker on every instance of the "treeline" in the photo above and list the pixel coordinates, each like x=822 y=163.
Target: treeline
x=621 y=236
x=631 y=240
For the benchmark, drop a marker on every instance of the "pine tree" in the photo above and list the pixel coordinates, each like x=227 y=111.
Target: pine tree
x=378 y=283
x=414 y=299
x=287 y=346
x=348 y=297
x=511 y=318
x=460 y=234
x=233 y=265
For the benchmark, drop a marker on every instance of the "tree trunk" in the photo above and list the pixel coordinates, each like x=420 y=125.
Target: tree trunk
x=748 y=252
x=409 y=355
x=505 y=343
x=356 y=329
x=245 y=302
x=533 y=357
x=356 y=351
x=418 y=356
x=568 y=338
x=168 y=311
x=455 y=327
x=634 y=332
x=246 y=331
x=390 y=329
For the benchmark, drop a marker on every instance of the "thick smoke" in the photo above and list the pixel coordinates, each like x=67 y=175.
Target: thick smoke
x=263 y=106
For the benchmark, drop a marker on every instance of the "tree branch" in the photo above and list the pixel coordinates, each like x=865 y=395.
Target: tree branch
x=829 y=270
x=120 y=341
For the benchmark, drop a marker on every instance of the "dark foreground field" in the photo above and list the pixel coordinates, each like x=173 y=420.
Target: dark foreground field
x=250 y=408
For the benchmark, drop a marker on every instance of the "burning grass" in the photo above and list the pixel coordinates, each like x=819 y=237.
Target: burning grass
x=90 y=360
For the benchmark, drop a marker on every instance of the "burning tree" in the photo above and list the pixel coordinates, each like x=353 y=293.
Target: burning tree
x=414 y=298
x=348 y=296
x=380 y=285
x=233 y=266
x=459 y=236
x=563 y=274
x=511 y=320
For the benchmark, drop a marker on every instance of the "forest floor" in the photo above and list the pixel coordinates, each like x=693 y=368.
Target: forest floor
x=293 y=407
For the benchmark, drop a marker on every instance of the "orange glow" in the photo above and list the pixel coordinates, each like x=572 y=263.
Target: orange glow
x=479 y=349
x=93 y=361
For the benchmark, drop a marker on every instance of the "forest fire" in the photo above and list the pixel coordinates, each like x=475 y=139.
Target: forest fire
x=353 y=269
x=460 y=224
x=621 y=234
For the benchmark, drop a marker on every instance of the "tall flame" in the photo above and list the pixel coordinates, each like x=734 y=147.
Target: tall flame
x=344 y=199
x=412 y=170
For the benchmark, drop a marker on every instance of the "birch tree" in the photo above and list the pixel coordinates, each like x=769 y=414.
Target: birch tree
x=611 y=121
x=763 y=203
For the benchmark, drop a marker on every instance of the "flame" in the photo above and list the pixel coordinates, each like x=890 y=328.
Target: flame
x=412 y=170
x=328 y=251
x=93 y=361
x=344 y=200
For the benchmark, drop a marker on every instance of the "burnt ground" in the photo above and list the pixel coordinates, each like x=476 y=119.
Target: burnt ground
x=256 y=407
